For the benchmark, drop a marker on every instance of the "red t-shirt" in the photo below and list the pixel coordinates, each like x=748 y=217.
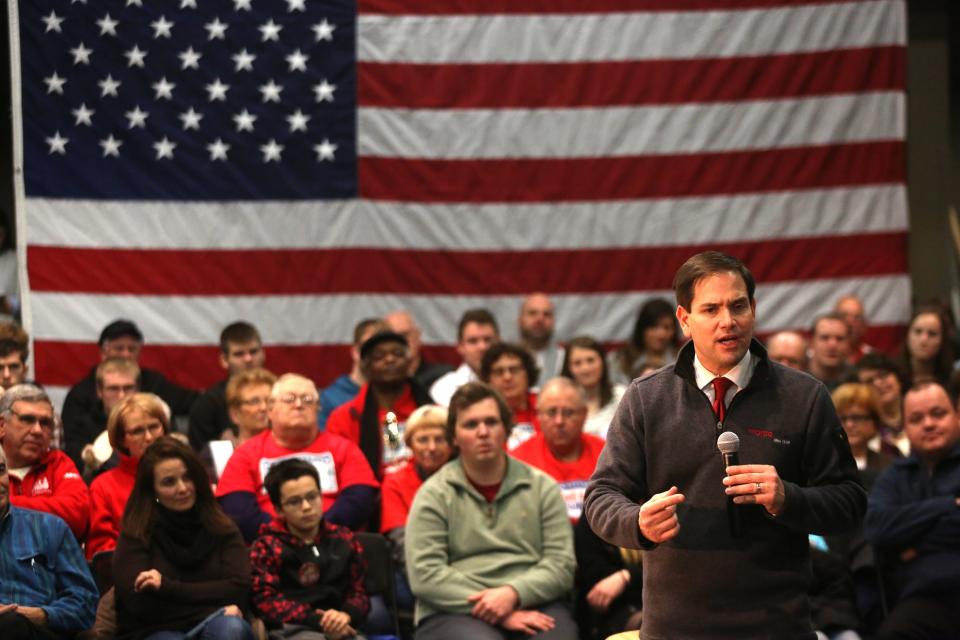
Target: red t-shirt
x=572 y=476
x=345 y=421
x=338 y=461
x=398 y=491
x=526 y=424
x=488 y=491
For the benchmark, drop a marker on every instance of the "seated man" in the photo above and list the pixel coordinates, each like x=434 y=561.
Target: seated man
x=346 y=481
x=913 y=514
x=47 y=590
x=42 y=478
x=345 y=388
x=14 y=350
x=81 y=408
x=424 y=372
x=489 y=548
x=307 y=573
x=477 y=331
x=117 y=378
x=561 y=449
x=384 y=360
x=240 y=350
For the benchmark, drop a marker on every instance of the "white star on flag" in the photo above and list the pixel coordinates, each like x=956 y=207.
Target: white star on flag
x=270 y=31
x=218 y=150
x=323 y=30
x=57 y=144
x=243 y=60
x=135 y=57
x=298 y=121
x=137 y=118
x=161 y=27
x=107 y=25
x=241 y=5
x=297 y=61
x=191 y=119
x=325 y=150
x=81 y=55
x=296 y=5
x=189 y=59
x=131 y=3
x=271 y=151
x=83 y=115
x=53 y=22
x=111 y=146
x=188 y=4
x=244 y=120
x=55 y=83
x=324 y=91
x=217 y=90
x=271 y=91
x=216 y=29
x=108 y=86
x=164 y=148
x=163 y=88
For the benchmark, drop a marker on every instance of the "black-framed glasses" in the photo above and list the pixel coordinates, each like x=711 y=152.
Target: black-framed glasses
x=30 y=419
x=297 y=501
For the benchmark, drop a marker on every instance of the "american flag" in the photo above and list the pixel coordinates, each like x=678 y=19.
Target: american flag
x=304 y=164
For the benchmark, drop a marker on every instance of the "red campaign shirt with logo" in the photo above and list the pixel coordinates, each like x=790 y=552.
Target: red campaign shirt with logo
x=338 y=461
x=571 y=476
x=54 y=486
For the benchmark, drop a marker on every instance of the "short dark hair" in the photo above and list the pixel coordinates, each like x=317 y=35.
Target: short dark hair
x=879 y=361
x=478 y=315
x=121 y=328
x=833 y=315
x=501 y=349
x=470 y=394
x=590 y=343
x=705 y=264
x=285 y=471
x=238 y=332
x=13 y=339
x=364 y=325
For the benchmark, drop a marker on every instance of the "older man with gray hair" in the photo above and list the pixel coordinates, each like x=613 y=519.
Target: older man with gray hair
x=46 y=590
x=41 y=478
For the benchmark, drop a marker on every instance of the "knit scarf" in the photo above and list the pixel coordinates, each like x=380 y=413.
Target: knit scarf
x=182 y=538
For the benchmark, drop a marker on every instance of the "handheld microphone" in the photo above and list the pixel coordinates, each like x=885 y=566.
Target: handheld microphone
x=729 y=444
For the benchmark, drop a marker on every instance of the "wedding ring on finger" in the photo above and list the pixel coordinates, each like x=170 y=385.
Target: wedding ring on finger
x=759 y=487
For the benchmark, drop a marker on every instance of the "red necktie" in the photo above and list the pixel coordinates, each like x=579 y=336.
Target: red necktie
x=720 y=387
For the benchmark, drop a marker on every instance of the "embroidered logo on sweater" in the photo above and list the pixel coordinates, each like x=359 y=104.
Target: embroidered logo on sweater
x=766 y=434
x=42 y=485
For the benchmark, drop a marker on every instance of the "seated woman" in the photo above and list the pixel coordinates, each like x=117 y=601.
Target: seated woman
x=584 y=363
x=654 y=340
x=426 y=436
x=859 y=410
x=511 y=370
x=133 y=425
x=180 y=567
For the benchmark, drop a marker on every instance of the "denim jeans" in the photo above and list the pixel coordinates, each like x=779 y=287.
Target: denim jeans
x=216 y=627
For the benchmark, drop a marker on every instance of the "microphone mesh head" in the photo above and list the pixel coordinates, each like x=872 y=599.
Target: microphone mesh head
x=728 y=442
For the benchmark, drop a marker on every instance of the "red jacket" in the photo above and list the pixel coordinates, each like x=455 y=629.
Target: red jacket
x=108 y=498
x=397 y=492
x=53 y=485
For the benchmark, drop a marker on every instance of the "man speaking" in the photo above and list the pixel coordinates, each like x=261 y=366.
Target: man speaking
x=728 y=552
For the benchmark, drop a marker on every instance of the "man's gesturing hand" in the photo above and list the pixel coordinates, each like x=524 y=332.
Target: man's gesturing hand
x=658 y=516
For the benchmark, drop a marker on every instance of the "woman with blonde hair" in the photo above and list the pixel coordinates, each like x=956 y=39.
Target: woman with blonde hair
x=859 y=409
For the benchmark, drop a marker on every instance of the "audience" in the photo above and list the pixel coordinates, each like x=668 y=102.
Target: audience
x=348 y=485
x=535 y=326
x=586 y=364
x=117 y=378
x=41 y=478
x=883 y=374
x=927 y=354
x=489 y=547
x=851 y=309
x=83 y=414
x=14 y=349
x=562 y=450
x=511 y=371
x=859 y=411
x=829 y=349
x=385 y=362
x=913 y=518
x=307 y=573
x=477 y=331
x=46 y=590
x=240 y=350
x=134 y=425
x=654 y=338
x=180 y=564
x=345 y=387
x=425 y=373
x=789 y=348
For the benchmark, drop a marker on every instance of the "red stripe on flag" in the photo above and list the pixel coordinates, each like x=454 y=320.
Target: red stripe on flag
x=478 y=86
x=466 y=7
x=631 y=177
x=197 y=367
x=344 y=271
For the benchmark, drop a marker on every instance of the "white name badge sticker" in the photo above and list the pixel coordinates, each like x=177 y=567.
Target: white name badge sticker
x=322 y=461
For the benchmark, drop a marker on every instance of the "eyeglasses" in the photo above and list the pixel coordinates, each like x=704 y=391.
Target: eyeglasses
x=256 y=402
x=297 y=501
x=565 y=412
x=306 y=399
x=30 y=419
x=513 y=369
x=856 y=417
x=120 y=388
x=155 y=428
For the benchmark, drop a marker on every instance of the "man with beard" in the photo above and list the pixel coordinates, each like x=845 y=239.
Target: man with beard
x=375 y=418
x=536 y=324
